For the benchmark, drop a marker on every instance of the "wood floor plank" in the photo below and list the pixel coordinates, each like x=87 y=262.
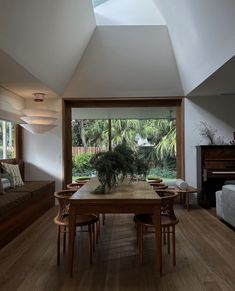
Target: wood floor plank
x=205 y=258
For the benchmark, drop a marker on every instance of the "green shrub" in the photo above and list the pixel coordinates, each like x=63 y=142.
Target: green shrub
x=81 y=163
x=164 y=173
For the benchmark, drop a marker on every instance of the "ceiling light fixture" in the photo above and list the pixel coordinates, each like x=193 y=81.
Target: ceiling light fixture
x=38 y=120
x=39 y=97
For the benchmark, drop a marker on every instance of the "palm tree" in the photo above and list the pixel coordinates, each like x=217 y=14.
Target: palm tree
x=125 y=130
x=97 y=133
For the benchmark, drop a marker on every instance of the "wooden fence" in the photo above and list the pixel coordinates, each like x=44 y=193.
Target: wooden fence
x=90 y=150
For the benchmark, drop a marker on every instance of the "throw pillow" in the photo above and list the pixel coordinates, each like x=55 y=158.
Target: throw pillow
x=9 y=177
x=15 y=172
x=5 y=184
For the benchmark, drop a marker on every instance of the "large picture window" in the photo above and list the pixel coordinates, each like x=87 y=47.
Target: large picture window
x=153 y=141
x=153 y=126
x=7 y=139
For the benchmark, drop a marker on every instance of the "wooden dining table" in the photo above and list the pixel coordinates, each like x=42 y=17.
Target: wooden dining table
x=134 y=197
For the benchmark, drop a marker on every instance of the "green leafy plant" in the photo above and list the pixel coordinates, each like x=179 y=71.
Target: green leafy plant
x=210 y=132
x=116 y=165
x=82 y=163
x=107 y=165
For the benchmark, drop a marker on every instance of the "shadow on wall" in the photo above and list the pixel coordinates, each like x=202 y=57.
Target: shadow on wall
x=34 y=173
x=222 y=107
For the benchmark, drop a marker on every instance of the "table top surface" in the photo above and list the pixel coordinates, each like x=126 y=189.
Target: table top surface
x=133 y=191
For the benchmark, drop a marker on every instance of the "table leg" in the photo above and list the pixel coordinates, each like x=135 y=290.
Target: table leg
x=72 y=229
x=158 y=238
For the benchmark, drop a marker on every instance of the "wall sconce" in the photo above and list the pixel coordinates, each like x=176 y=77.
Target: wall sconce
x=38 y=121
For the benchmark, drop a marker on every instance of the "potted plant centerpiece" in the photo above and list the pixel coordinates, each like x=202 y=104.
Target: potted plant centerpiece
x=115 y=166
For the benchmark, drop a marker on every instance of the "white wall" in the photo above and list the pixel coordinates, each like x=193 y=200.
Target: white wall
x=43 y=152
x=47 y=38
x=128 y=12
x=11 y=105
x=202 y=34
x=128 y=61
x=218 y=113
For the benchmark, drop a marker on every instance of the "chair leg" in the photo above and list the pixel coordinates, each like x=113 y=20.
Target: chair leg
x=173 y=245
x=164 y=235
x=64 y=240
x=103 y=218
x=168 y=239
x=137 y=234
x=90 y=243
x=141 y=243
x=58 y=245
x=97 y=225
x=93 y=236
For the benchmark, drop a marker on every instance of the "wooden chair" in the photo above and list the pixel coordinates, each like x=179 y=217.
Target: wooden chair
x=74 y=186
x=81 y=182
x=168 y=222
x=154 y=182
x=159 y=186
x=62 y=222
x=77 y=185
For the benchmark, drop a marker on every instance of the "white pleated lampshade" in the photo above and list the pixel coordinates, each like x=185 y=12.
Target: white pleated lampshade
x=38 y=120
x=39 y=112
x=37 y=128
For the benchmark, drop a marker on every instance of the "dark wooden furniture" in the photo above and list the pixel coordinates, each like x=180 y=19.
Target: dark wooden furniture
x=215 y=165
x=62 y=222
x=168 y=222
x=137 y=197
x=27 y=203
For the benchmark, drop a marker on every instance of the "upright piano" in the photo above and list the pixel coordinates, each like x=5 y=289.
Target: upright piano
x=215 y=165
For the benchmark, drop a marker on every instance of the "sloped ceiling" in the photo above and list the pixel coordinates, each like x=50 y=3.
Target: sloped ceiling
x=47 y=38
x=127 y=61
x=222 y=82
x=202 y=34
x=42 y=44
x=17 y=79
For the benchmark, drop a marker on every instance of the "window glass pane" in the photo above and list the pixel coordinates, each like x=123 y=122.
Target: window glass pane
x=154 y=141
x=7 y=139
x=98 y=2
x=88 y=138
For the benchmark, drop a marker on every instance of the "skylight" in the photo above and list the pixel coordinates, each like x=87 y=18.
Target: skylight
x=98 y=2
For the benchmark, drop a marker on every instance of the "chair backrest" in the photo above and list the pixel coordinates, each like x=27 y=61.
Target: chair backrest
x=167 y=203
x=63 y=199
x=74 y=186
x=154 y=182
x=81 y=182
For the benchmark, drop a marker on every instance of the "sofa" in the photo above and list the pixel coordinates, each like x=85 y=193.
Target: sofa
x=225 y=204
x=22 y=205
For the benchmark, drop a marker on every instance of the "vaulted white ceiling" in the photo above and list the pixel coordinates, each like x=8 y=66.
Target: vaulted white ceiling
x=53 y=46
x=118 y=62
x=47 y=38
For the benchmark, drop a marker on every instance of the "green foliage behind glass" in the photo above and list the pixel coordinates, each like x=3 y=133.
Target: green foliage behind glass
x=82 y=164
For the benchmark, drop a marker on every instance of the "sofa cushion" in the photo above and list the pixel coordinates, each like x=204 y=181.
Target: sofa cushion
x=11 y=200
x=219 y=210
x=14 y=170
x=33 y=187
x=5 y=183
x=9 y=177
x=228 y=203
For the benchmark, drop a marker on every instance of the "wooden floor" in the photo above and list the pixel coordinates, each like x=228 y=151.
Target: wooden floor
x=205 y=258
